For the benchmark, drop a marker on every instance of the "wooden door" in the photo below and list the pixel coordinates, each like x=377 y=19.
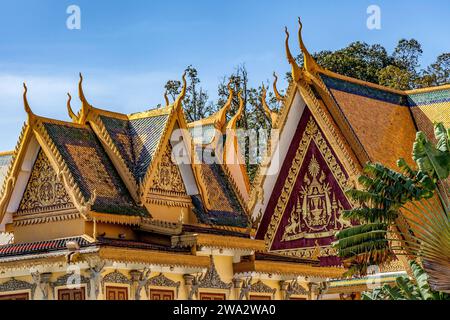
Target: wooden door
x=71 y=294
x=162 y=294
x=16 y=296
x=212 y=296
x=116 y=293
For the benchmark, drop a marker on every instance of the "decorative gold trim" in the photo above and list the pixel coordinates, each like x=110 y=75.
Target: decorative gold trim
x=286 y=268
x=215 y=241
x=115 y=218
x=152 y=257
x=46 y=217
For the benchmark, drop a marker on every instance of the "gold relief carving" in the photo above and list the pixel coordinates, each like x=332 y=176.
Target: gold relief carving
x=93 y=171
x=311 y=134
x=44 y=190
x=168 y=177
x=315 y=207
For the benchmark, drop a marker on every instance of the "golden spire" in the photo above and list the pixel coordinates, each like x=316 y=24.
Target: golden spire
x=72 y=114
x=25 y=103
x=233 y=121
x=222 y=113
x=296 y=71
x=279 y=97
x=177 y=103
x=272 y=115
x=85 y=106
x=166 y=98
x=308 y=61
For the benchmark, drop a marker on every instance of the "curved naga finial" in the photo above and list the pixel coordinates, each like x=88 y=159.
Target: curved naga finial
x=177 y=103
x=296 y=71
x=308 y=61
x=233 y=121
x=222 y=113
x=25 y=102
x=72 y=114
x=166 y=98
x=279 y=97
x=85 y=106
x=272 y=115
x=81 y=92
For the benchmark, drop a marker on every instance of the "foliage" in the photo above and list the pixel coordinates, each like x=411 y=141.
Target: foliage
x=384 y=192
x=372 y=63
x=196 y=102
x=407 y=289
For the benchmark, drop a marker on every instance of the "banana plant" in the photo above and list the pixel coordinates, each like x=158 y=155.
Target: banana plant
x=385 y=192
x=416 y=288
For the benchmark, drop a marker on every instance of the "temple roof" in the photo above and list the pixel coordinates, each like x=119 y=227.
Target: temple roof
x=379 y=117
x=136 y=140
x=92 y=169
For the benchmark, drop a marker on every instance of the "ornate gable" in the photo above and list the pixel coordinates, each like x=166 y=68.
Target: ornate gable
x=304 y=211
x=167 y=179
x=45 y=191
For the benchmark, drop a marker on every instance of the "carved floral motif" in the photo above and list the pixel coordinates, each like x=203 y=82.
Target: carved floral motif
x=44 y=191
x=168 y=177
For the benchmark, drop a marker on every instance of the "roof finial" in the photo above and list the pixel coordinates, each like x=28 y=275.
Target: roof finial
x=222 y=113
x=279 y=97
x=296 y=72
x=182 y=94
x=233 y=121
x=25 y=102
x=166 y=98
x=308 y=61
x=270 y=114
x=85 y=106
x=72 y=114
x=80 y=90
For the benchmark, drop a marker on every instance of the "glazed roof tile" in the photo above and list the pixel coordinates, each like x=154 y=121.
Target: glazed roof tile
x=136 y=140
x=17 y=249
x=92 y=169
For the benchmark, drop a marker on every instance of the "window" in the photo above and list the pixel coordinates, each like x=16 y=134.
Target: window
x=212 y=296
x=71 y=294
x=161 y=294
x=17 y=296
x=256 y=297
x=116 y=293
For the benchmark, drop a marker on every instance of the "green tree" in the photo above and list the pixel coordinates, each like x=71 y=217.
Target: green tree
x=195 y=104
x=372 y=63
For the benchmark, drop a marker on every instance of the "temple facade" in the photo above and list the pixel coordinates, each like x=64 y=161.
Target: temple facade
x=101 y=207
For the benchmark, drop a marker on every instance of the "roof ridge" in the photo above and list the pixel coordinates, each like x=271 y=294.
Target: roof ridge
x=361 y=82
x=428 y=89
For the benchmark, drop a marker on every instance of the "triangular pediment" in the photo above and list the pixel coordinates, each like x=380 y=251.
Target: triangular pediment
x=45 y=191
x=305 y=208
x=167 y=179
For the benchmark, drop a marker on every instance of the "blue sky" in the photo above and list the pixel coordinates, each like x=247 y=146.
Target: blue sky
x=127 y=50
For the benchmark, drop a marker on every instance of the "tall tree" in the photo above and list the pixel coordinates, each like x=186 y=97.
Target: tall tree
x=196 y=102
